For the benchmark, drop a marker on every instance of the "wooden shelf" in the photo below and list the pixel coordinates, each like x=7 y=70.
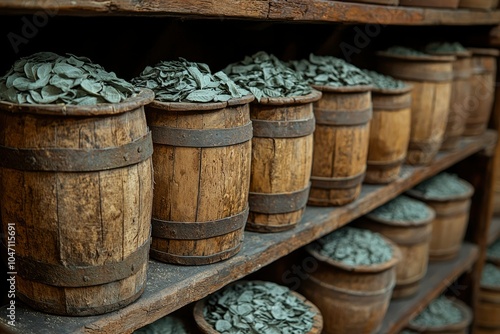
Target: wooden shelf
x=170 y=287
x=494 y=232
x=440 y=275
x=279 y=10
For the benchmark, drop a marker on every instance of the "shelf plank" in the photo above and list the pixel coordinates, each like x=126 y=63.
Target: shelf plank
x=170 y=287
x=494 y=232
x=440 y=275
x=291 y=10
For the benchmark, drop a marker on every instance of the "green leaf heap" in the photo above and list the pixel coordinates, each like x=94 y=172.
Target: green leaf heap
x=48 y=78
x=490 y=275
x=381 y=81
x=265 y=75
x=405 y=51
x=445 y=48
x=258 y=308
x=402 y=208
x=442 y=186
x=330 y=71
x=440 y=312
x=185 y=81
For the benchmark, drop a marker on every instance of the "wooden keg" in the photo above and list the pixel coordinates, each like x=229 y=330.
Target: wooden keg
x=341 y=140
x=389 y=134
x=482 y=94
x=431 y=77
x=282 y=152
x=76 y=183
x=201 y=162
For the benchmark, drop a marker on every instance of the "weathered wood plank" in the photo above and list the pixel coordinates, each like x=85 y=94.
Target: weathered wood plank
x=292 y=10
x=170 y=287
x=439 y=276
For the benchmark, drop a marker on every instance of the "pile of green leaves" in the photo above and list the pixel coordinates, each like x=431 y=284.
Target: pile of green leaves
x=405 y=51
x=185 y=81
x=445 y=47
x=330 y=71
x=384 y=81
x=265 y=75
x=258 y=308
x=48 y=78
x=402 y=208
x=440 y=312
x=490 y=275
x=494 y=250
x=442 y=186
x=354 y=246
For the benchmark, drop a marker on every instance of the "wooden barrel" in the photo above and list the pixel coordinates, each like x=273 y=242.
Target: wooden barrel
x=460 y=92
x=206 y=328
x=449 y=225
x=482 y=94
x=478 y=4
x=431 y=77
x=201 y=163
x=430 y=3
x=389 y=134
x=76 y=183
x=461 y=327
x=487 y=313
x=413 y=239
x=282 y=151
x=340 y=144
x=354 y=298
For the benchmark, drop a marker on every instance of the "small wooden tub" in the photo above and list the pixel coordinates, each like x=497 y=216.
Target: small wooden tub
x=487 y=314
x=282 y=152
x=482 y=94
x=202 y=175
x=389 y=134
x=206 y=328
x=459 y=328
x=449 y=225
x=413 y=239
x=353 y=299
x=341 y=140
x=77 y=185
x=431 y=78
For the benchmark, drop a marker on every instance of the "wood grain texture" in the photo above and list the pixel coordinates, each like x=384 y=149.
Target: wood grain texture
x=296 y=10
x=487 y=313
x=77 y=219
x=170 y=287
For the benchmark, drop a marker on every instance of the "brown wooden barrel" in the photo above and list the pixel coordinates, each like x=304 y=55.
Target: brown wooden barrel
x=389 y=134
x=201 y=163
x=352 y=299
x=282 y=151
x=482 y=94
x=449 y=225
x=487 y=313
x=459 y=328
x=341 y=139
x=478 y=4
x=206 y=328
x=460 y=92
x=77 y=185
x=431 y=77
x=413 y=239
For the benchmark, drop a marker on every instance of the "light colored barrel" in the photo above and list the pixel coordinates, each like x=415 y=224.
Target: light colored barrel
x=77 y=185
x=201 y=162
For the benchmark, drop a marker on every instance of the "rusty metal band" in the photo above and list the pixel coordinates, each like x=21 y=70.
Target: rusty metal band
x=194 y=260
x=201 y=137
x=342 y=117
x=76 y=276
x=198 y=230
x=278 y=203
x=64 y=309
x=385 y=105
x=384 y=165
x=337 y=182
x=283 y=129
x=76 y=160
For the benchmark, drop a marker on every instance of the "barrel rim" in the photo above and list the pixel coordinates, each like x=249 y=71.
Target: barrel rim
x=143 y=97
x=207 y=328
x=200 y=106
x=344 y=89
x=314 y=96
x=404 y=223
x=419 y=195
x=393 y=91
x=425 y=58
x=379 y=267
x=465 y=322
x=458 y=54
x=484 y=52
